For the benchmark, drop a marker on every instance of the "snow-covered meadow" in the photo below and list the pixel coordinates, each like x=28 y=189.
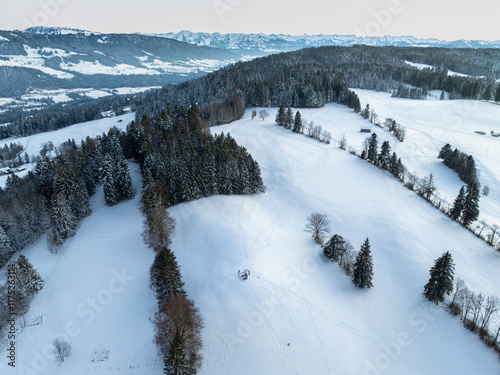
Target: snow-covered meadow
x=297 y=313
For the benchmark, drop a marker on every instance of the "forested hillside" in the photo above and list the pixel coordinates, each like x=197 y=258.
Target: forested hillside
x=307 y=78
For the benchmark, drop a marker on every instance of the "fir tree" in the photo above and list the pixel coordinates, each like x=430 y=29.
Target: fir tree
x=441 y=279
x=289 y=118
x=176 y=362
x=334 y=248
x=123 y=179
x=373 y=148
x=28 y=282
x=363 y=268
x=62 y=219
x=165 y=276
x=80 y=203
x=281 y=116
x=297 y=124
x=108 y=180
x=384 y=156
x=446 y=152
x=497 y=95
x=470 y=171
x=5 y=247
x=366 y=112
x=471 y=205
x=458 y=205
x=13 y=181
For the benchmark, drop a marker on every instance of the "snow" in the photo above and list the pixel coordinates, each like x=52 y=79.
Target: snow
x=47 y=52
x=63 y=95
x=293 y=296
x=32 y=63
x=96 y=297
x=433 y=123
x=3 y=39
x=33 y=144
x=296 y=313
x=88 y=67
x=186 y=67
x=419 y=66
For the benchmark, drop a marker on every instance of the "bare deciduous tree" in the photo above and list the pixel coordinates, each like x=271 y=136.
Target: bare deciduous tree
x=458 y=292
x=263 y=114
x=180 y=318
x=61 y=350
x=343 y=142
x=490 y=307
x=318 y=226
x=159 y=228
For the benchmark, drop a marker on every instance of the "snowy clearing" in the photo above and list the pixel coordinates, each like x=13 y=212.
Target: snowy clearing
x=430 y=125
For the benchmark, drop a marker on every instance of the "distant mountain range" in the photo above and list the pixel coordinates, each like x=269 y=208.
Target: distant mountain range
x=61 y=58
x=281 y=42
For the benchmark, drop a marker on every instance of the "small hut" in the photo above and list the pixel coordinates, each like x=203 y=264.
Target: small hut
x=366 y=128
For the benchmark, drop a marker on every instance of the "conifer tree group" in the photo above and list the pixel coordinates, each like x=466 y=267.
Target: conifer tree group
x=463 y=164
x=466 y=205
x=115 y=174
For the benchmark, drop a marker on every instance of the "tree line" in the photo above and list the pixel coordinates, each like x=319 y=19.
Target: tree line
x=306 y=78
x=178 y=322
x=55 y=196
x=476 y=311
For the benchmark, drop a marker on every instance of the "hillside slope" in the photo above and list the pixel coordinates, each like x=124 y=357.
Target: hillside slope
x=297 y=314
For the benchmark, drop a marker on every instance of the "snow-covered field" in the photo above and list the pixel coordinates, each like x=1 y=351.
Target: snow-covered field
x=34 y=143
x=430 y=125
x=296 y=314
x=96 y=297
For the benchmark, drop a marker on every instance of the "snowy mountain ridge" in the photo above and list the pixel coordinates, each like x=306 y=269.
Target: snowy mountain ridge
x=284 y=42
x=43 y=30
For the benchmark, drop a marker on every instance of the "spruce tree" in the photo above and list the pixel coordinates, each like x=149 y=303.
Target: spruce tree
x=497 y=95
x=373 y=148
x=281 y=116
x=5 y=247
x=123 y=179
x=177 y=362
x=366 y=112
x=441 y=279
x=470 y=173
x=28 y=282
x=458 y=205
x=334 y=247
x=297 y=124
x=471 y=205
x=446 y=152
x=80 y=203
x=62 y=219
x=384 y=156
x=363 y=268
x=108 y=180
x=289 y=118
x=165 y=276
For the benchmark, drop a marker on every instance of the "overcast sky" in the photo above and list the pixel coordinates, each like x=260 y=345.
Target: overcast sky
x=443 y=19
